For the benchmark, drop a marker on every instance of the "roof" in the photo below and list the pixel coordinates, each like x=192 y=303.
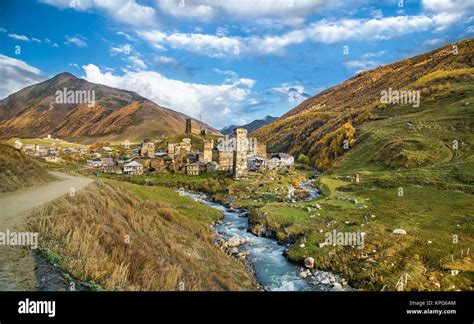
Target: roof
x=134 y=164
x=199 y=163
x=283 y=156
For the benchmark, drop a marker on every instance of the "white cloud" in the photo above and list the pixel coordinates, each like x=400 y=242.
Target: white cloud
x=137 y=62
x=165 y=60
x=292 y=93
x=228 y=73
x=121 y=49
x=19 y=37
x=323 y=31
x=213 y=102
x=244 y=9
x=433 y=42
x=16 y=75
x=361 y=65
x=373 y=54
x=210 y=45
x=77 y=40
x=125 y=11
x=448 y=12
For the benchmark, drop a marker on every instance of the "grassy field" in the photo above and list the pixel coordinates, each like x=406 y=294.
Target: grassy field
x=43 y=141
x=121 y=236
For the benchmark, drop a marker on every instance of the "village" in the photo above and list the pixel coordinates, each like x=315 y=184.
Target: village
x=238 y=155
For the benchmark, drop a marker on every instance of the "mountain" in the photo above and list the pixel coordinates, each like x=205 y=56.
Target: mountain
x=252 y=126
x=117 y=115
x=325 y=126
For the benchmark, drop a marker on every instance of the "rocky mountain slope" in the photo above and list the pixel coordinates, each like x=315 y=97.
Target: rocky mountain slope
x=117 y=115
x=326 y=125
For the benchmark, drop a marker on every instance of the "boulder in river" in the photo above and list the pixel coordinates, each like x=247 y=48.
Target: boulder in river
x=304 y=274
x=309 y=262
x=235 y=241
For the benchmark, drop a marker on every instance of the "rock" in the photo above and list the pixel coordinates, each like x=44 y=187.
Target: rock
x=373 y=216
x=354 y=201
x=437 y=284
x=399 y=231
x=454 y=272
x=322 y=244
x=304 y=274
x=302 y=245
x=429 y=242
x=309 y=262
x=308 y=209
x=318 y=206
x=337 y=285
x=243 y=255
x=325 y=281
x=234 y=242
x=234 y=250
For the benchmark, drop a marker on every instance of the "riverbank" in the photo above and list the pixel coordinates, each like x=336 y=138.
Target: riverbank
x=265 y=256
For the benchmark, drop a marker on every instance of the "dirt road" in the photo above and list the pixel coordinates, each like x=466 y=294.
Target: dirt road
x=17 y=264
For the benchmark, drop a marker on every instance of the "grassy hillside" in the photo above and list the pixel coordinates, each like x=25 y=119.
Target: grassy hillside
x=415 y=168
x=18 y=170
x=319 y=126
x=130 y=237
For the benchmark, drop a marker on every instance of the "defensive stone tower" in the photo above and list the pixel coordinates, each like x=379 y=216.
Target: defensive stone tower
x=148 y=149
x=239 y=168
x=188 y=126
x=208 y=146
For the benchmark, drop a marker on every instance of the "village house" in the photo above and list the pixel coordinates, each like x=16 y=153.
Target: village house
x=40 y=150
x=133 y=168
x=196 y=168
x=286 y=159
x=256 y=163
x=280 y=161
x=53 y=159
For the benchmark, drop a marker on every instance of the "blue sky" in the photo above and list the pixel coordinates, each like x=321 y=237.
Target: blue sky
x=228 y=61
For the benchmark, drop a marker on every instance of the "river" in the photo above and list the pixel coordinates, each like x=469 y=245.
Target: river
x=272 y=269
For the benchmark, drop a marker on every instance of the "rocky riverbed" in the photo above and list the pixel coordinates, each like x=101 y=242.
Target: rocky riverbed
x=264 y=256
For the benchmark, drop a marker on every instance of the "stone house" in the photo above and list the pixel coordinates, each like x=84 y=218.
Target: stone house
x=211 y=167
x=196 y=168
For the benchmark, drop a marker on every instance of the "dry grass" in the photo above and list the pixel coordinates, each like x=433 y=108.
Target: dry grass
x=18 y=170
x=89 y=233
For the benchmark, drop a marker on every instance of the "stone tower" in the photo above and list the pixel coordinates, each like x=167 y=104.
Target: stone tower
x=188 y=126
x=208 y=146
x=148 y=149
x=239 y=168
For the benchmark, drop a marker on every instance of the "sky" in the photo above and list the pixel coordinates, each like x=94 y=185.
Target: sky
x=225 y=61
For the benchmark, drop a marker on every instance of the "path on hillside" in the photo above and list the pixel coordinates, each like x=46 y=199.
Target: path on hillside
x=17 y=264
